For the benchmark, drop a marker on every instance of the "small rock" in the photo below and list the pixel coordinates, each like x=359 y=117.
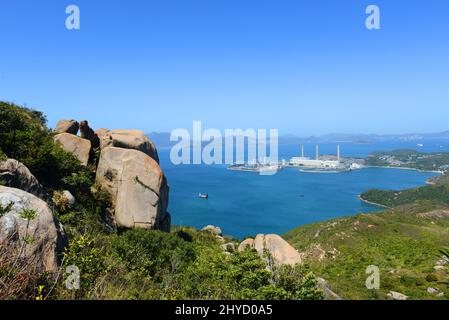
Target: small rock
x=440 y=295
x=431 y=290
x=228 y=247
x=439 y=268
x=69 y=197
x=212 y=229
x=246 y=243
x=397 y=296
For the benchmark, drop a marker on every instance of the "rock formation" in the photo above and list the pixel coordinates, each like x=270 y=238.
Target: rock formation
x=128 y=169
x=247 y=243
x=212 y=229
x=79 y=147
x=67 y=126
x=14 y=174
x=129 y=139
x=29 y=231
x=137 y=186
x=280 y=250
x=89 y=134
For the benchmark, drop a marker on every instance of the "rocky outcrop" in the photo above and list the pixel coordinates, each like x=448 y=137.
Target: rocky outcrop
x=247 y=243
x=14 y=174
x=101 y=132
x=129 y=139
x=280 y=250
x=79 y=147
x=67 y=126
x=89 y=134
x=137 y=186
x=213 y=230
x=29 y=230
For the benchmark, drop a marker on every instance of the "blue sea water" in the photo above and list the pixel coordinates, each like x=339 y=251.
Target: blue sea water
x=246 y=203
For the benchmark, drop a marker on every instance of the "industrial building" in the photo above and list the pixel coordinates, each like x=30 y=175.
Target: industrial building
x=316 y=163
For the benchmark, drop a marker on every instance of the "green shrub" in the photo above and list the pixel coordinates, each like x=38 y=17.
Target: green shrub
x=153 y=253
x=25 y=137
x=90 y=259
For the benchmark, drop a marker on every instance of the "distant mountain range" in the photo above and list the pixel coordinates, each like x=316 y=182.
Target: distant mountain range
x=162 y=139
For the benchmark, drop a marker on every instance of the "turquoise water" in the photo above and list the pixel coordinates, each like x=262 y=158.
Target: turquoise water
x=246 y=203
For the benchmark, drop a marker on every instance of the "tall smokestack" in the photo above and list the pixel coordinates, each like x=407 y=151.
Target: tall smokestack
x=338 y=153
x=302 y=151
x=317 y=152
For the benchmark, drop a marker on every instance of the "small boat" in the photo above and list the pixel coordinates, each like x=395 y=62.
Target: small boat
x=203 y=196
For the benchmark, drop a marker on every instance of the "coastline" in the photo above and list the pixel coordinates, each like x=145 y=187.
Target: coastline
x=372 y=203
x=407 y=168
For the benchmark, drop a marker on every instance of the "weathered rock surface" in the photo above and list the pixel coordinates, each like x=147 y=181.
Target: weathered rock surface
x=138 y=188
x=129 y=139
x=228 y=247
x=89 y=134
x=14 y=174
x=69 y=197
x=101 y=132
x=38 y=241
x=67 y=126
x=397 y=295
x=281 y=251
x=328 y=293
x=212 y=229
x=79 y=147
x=431 y=290
x=247 y=243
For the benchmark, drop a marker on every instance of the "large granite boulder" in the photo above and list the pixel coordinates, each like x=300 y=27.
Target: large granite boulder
x=36 y=241
x=14 y=174
x=138 y=188
x=67 y=126
x=79 y=147
x=128 y=139
x=89 y=134
x=280 y=250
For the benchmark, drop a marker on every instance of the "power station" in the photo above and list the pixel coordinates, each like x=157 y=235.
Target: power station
x=317 y=163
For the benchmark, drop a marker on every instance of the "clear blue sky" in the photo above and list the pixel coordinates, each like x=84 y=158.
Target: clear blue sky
x=305 y=67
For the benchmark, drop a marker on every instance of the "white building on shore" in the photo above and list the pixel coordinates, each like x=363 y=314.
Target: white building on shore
x=316 y=163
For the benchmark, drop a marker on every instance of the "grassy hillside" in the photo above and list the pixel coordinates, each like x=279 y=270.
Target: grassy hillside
x=410 y=159
x=403 y=242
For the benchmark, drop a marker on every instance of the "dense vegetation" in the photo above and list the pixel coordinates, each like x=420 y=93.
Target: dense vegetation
x=438 y=193
x=127 y=264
